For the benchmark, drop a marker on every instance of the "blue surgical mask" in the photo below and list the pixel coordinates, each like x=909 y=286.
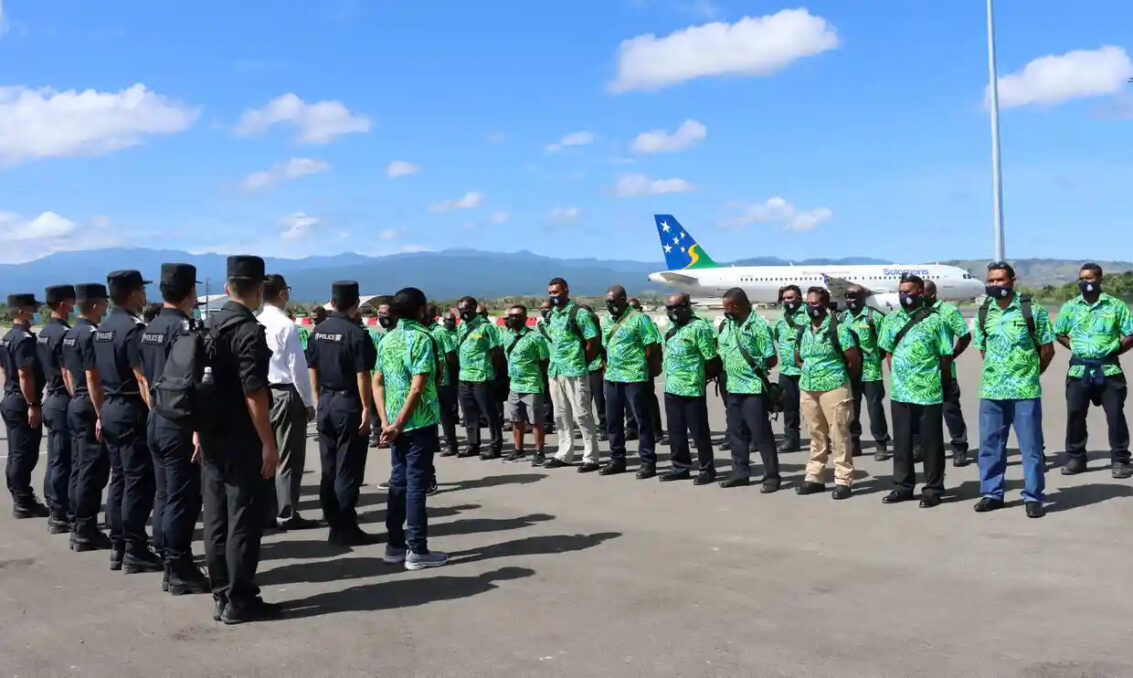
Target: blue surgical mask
x=1088 y=287
x=910 y=301
x=36 y=318
x=999 y=291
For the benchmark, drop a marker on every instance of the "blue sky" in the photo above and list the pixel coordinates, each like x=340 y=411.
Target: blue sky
x=829 y=128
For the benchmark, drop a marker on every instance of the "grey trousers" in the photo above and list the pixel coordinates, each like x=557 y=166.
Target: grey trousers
x=289 y=421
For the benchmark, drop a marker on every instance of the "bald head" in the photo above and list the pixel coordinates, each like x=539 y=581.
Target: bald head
x=678 y=299
x=617 y=292
x=930 y=290
x=616 y=302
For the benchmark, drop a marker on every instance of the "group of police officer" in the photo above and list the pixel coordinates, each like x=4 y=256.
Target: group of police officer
x=93 y=385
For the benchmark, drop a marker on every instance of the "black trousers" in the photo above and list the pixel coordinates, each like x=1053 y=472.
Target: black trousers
x=478 y=398
x=124 y=430
x=501 y=391
x=57 y=485
x=953 y=418
x=93 y=462
x=747 y=417
x=622 y=400
x=654 y=406
x=689 y=415
x=235 y=502
x=930 y=421
x=874 y=392
x=1111 y=394
x=177 y=503
x=791 y=420
x=23 y=448
x=343 y=453
x=598 y=393
x=450 y=414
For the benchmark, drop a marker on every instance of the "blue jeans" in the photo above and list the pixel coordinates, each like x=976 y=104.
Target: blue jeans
x=996 y=419
x=412 y=454
x=634 y=397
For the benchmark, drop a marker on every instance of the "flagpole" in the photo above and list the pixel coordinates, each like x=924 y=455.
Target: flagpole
x=996 y=174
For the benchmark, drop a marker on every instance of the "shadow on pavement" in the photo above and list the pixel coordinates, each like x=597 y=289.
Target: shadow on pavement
x=1084 y=495
x=378 y=517
x=476 y=525
x=492 y=481
x=532 y=546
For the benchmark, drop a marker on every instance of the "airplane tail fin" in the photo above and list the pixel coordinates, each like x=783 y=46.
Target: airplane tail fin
x=680 y=248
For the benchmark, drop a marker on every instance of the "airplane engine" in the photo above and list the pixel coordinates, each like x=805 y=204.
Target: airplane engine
x=884 y=302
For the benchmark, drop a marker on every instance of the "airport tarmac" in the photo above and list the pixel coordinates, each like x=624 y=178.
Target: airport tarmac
x=557 y=574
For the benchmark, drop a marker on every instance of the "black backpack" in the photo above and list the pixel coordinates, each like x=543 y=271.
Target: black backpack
x=186 y=390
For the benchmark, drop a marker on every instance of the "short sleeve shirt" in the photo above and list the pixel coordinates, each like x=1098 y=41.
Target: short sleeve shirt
x=525 y=360
x=914 y=374
x=785 y=337
x=755 y=335
x=568 y=351
x=78 y=353
x=954 y=320
x=19 y=352
x=687 y=352
x=1011 y=360
x=625 y=344
x=446 y=343
x=824 y=368
x=407 y=351
x=1095 y=330
x=476 y=340
x=866 y=332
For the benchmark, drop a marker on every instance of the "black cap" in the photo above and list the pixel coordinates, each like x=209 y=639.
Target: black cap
x=22 y=300
x=57 y=293
x=90 y=292
x=245 y=267
x=344 y=292
x=274 y=285
x=178 y=279
x=121 y=282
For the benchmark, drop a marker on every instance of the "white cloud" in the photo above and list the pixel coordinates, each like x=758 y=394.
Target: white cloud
x=751 y=46
x=28 y=239
x=388 y=234
x=660 y=141
x=468 y=201
x=1053 y=79
x=563 y=215
x=318 y=123
x=400 y=168
x=42 y=123
x=636 y=185
x=407 y=249
x=284 y=171
x=779 y=211
x=48 y=225
x=499 y=217
x=297 y=225
x=581 y=138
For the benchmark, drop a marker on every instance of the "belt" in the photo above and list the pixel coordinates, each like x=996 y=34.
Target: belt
x=58 y=391
x=127 y=394
x=337 y=391
x=283 y=386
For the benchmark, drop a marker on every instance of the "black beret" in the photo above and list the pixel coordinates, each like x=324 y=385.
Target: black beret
x=121 y=282
x=57 y=293
x=21 y=300
x=90 y=292
x=245 y=267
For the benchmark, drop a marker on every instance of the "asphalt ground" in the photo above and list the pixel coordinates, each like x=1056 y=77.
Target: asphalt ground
x=557 y=574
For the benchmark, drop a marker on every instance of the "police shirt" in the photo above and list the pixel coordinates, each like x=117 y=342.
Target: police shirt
x=117 y=351
x=339 y=349
x=49 y=345
x=78 y=353
x=158 y=338
x=18 y=351
x=241 y=363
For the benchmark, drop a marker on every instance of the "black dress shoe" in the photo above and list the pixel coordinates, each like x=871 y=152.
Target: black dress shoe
x=588 y=467
x=960 y=458
x=1122 y=470
x=735 y=481
x=987 y=504
x=218 y=605
x=142 y=561
x=30 y=509
x=516 y=456
x=704 y=479
x=646 y=471
x=841 y=492
x=1074 y=466
x=896 y=497
x=353 y=536
x=538 y=459
x=188 y=582
x=116 y=556
x=58 y=525
x=254 y=610
x=790 y=446
x=671 y=475
x=881 y=452
x=931 y=501
x=1035 y=509
x=725 y=446
x=810 y=488
x=449 y=453
x=613 y=468
x=299 y=523
x=488 y=456
x=94 y=540
x=769 y=487
x=555 y=462
x=465 y=454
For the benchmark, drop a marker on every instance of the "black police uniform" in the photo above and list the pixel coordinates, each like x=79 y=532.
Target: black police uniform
x=59 y=481
x=18 y=351
x=235 y=493
x=338 y=350
x=90 y=456
x=177 y=501
x=117 y=350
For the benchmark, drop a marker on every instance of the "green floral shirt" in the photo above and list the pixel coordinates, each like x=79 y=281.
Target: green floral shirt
x=866 y=333
x=407 y=351
x=568 y=352
x=954 y=319
x=446 y=343
x=625 y=344
x=376 y=333
x=914 y=373
x=687 y=351
x=1095 y=331
x=755 y=334
x=824 y=368
x=475 y=341
x=304 y=334
x=785 y=338
x=1011 y=361
x=525 y=361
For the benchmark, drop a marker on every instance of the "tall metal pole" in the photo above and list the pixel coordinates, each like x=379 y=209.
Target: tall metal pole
x=996 y=178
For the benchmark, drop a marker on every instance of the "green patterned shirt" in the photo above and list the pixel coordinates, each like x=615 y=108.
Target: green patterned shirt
x=866 y=333
x=687 y=351
x=376 y=333
x=405 y=352
x=1095 y=331
x=914 y=374
x=785 y=338
x=824 y=369
x=755 y=334
x=304 y=333
x=1011 y=361
x=525 y=361
x=625 y=344
x=957 y=326
x=446 y=343
x=568 y=352
x=475 y=341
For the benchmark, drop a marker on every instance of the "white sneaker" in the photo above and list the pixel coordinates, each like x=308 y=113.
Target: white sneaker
x=394 y=555
x=420 y=561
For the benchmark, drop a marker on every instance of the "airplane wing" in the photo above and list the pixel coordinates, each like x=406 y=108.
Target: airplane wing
x=837 y=286
x=669 y=276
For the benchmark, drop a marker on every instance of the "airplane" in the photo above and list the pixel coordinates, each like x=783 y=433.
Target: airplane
x=692 y=270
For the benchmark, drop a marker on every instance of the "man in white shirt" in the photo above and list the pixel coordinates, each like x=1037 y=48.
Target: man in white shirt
x=291 y=402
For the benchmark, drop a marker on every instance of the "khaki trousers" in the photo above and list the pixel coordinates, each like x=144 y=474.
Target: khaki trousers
x=828 y=415
x=572 y=396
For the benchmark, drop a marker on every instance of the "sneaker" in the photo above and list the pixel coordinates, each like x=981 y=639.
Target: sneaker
x=421 y=561
x=538 y=459
x=394 y=555
x=433 y=488
x=555 y=462
x=384 y=485
x=516 y=456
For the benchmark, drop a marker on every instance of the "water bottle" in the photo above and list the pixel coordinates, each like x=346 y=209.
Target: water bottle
x=206 y=378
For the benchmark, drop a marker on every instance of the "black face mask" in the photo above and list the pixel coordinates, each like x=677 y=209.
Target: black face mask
x=468 y=316
x=558 y=300
x=910 y=301
x=1088 y=287
x=385 y=321
x=546 y=315
x=679 y=315
x=729 y=315
x=855 y=305
x=999 y=291
x=516 y=323
x=792 y=307
x=816 y=311
x=450 y=323
x=615 y=307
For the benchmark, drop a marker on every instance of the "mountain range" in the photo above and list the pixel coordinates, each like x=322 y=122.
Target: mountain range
x=442 y=275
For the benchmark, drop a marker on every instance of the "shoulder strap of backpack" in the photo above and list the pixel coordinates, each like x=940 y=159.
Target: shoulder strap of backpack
x=921 y=313
x=514 y=343
x=618 y=325
x=1029 y=317
x=981 y=319
x=671 y=333
x=543 y=330
x=755 y=365
x=572 y=321
x=790 y=319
